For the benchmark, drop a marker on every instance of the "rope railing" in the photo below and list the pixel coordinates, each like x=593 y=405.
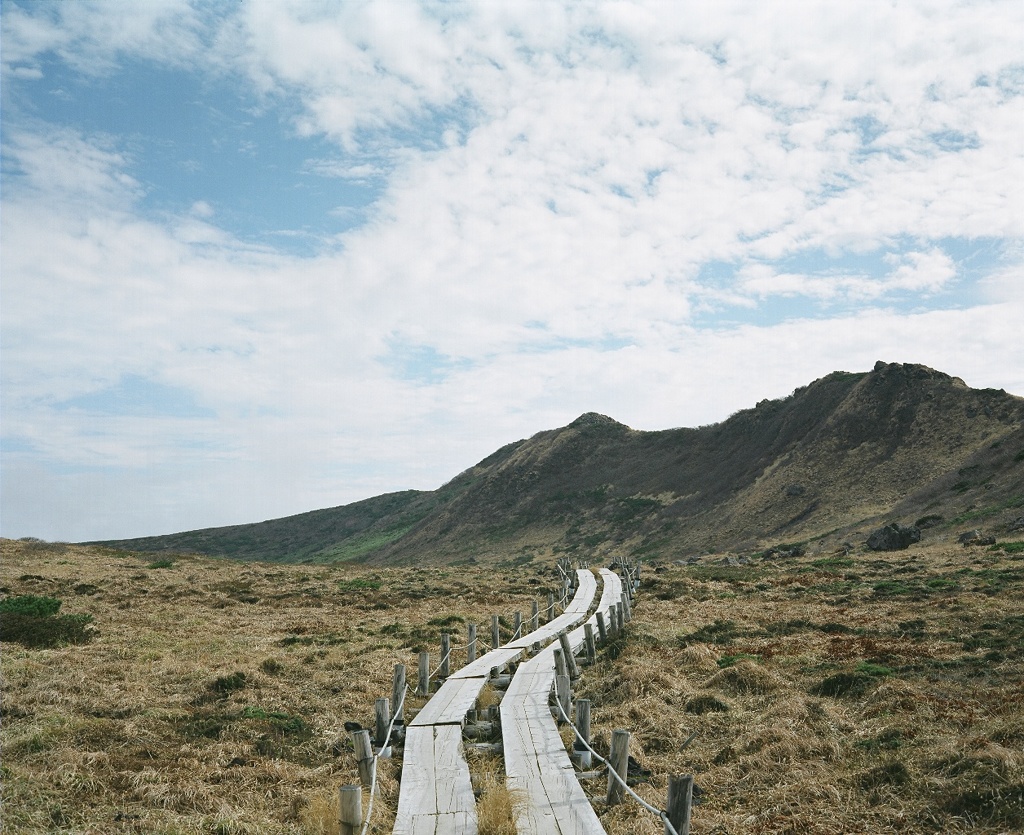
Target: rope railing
x=653 y=809
x=373 y=767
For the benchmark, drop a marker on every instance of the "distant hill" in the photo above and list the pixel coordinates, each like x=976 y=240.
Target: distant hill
x=834 y=459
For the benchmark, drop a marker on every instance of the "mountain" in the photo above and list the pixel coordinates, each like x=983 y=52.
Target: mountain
x=829 y=462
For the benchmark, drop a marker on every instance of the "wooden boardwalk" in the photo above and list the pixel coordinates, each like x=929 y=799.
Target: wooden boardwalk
x=536 y=762
x=436 y=794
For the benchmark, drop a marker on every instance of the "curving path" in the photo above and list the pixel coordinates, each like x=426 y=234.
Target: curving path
x=436 y=794
x=536 y=762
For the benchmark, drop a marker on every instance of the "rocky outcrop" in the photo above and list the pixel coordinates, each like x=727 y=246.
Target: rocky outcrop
x=894 y=537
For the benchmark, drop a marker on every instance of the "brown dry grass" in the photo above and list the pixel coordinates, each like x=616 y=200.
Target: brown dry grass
x=828 y=694
x=926 y=736
x=128 y=733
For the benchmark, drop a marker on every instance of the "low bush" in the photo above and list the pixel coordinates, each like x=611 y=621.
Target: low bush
x=33 y=622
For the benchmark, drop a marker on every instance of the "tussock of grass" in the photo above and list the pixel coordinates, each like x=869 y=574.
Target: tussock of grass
x=496 y=806
x=744 y=678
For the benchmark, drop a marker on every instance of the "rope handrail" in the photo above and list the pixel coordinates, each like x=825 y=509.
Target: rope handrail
x=653 y=809
x=373 y=767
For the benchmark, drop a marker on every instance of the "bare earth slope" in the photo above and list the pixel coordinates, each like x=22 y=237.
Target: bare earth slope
x=834 y=459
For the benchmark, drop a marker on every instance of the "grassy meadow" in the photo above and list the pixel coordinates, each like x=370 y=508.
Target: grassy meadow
x=829 y=693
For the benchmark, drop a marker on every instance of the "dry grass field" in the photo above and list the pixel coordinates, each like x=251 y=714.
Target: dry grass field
x=829 y=693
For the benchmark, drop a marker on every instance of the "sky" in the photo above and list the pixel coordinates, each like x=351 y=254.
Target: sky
x=258 y=258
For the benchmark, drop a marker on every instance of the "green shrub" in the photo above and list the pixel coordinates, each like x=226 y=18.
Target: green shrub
x=873 y=669
x=224 y=685
x=719 y=632
x=164 y=563
x=843 y=684
x=33 y=622
x=31 y=605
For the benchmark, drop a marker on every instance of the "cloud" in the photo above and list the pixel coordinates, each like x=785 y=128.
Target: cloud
x=568 y=200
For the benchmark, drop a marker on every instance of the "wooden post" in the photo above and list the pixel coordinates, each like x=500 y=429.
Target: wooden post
x=381 y=720
x=471 y=644
x=680 y=799
x=602 y=628
x=588 y=632
x=627 y=610
x=364 y=756
x=550 y=616
x=618 y=759
x=495 y=632
x=570 y=659
x=583 y=727
x=620 y=621
x=446 y=655
x=517 y=627
x=423 y=688
x=534 y=616
x=560 y=666
x=563 y=693
x=351 y=809
x=398 y=695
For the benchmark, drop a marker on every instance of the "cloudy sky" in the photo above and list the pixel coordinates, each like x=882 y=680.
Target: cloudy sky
x=265 y=257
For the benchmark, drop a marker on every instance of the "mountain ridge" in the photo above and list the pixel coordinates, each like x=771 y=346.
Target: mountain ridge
x=836 y=456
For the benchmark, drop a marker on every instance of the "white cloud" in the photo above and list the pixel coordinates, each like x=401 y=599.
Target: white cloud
x=555 y=179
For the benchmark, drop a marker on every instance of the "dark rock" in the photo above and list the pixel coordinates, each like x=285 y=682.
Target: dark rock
x=894 y=537
x=975 y=537
x=783 y=551
x=1017 y=524
x=795 y=490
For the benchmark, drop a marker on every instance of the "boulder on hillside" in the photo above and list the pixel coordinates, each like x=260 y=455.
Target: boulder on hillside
x=975 y=537
x=894 y=537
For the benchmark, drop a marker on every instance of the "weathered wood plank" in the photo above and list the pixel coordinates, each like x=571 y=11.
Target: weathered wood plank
x=536 y=761
x=448 y=706
x=436 y=795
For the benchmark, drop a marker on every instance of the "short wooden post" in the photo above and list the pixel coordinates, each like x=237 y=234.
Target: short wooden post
x=495 y=632
x=602 y=628
x=471 y=644
x=620 y=621
x=534 y=616
x=561 y=669
x=423 y=688
x=550 y=616
x=618 y=760
x=680 y=799
x=627 y=610
x=563 y=693
x=398 y=695
x=381 y=720
x=517 y=627
x=364 y=756
x=446 y=655
x=570 y=659
x=351 y=809
x=588 y=633
x=583 y=728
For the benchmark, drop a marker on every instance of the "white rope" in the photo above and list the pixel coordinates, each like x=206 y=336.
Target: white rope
x=447 y=655
x=373 y=766
x=653 y=809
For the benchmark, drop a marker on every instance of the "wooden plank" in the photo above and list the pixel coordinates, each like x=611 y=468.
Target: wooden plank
x=536 y=761
x=450 y=703
x=436 y=795
x=495 y=658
